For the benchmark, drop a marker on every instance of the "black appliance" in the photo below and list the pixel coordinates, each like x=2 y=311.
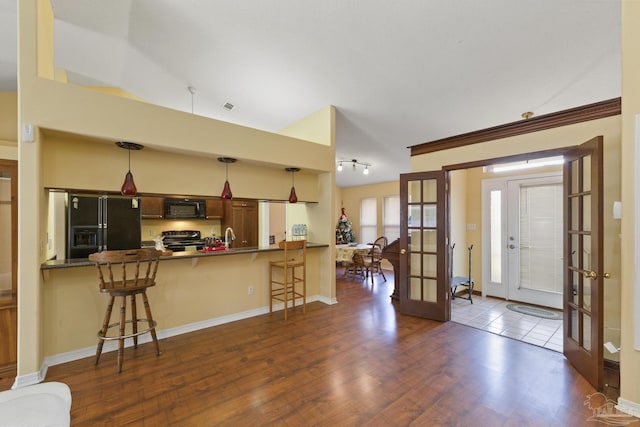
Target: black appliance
x=98 y=223
x=184 y=208
x=177 y=241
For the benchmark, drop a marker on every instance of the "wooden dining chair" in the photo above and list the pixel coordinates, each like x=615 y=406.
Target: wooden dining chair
x=143 y=265
x=360 y=266
x=375 y=257
x=288 y=277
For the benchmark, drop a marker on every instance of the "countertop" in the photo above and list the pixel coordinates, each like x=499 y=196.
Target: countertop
x=84 y=262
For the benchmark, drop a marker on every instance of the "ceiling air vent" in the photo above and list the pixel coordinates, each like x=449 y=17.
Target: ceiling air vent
x=228 y=106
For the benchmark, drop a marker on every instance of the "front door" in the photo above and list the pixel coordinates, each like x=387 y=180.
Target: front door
x=424 y=285
x=534 y=245
x=583 y=260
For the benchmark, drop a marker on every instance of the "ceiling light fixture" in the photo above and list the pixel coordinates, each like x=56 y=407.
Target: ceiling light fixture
x=191 y=90
x=527 y=115
x=293 y=198
x=129 y=187
x=354 y=163
x=226 y=191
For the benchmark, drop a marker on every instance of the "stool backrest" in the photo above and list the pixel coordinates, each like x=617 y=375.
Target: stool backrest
x=148 y=256
x=294 y=245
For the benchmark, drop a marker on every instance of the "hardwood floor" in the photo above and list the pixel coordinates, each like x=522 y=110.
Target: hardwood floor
x=355 y=363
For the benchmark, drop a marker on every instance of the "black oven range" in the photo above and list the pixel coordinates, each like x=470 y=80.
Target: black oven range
x=178 y=241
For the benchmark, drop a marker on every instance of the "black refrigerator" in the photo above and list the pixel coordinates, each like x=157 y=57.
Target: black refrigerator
x=99 y=223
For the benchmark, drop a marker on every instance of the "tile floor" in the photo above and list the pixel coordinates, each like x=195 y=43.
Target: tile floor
x=491 y=314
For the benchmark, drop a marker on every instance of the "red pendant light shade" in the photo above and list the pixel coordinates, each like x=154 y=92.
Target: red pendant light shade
x=129 y=186
x=293 y=198
x=226 y=190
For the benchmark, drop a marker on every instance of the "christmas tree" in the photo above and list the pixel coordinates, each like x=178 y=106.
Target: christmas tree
x=344 y=233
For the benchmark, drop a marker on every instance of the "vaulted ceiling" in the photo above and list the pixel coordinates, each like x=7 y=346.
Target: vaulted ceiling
x=399 y=73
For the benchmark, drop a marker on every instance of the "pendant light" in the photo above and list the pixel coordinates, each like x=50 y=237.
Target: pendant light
x=129 y=187
x=226 y=191
x=292 y=195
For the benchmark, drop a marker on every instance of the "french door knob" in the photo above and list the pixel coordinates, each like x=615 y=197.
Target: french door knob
x=512 y=246
x=590 y=275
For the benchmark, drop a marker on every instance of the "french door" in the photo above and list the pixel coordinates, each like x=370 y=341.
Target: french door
x=583 y=260
x=424 y=285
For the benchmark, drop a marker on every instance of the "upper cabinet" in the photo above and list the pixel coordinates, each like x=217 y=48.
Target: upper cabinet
x=242 y=217
x=214 y=208
x=152 y=207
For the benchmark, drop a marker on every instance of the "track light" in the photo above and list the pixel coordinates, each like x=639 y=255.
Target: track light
x=354 y=164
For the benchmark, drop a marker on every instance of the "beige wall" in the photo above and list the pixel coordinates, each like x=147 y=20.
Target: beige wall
x=8 y=116
x=185 y=294
x=629 y=357
x=9 y=125
x=350 y=198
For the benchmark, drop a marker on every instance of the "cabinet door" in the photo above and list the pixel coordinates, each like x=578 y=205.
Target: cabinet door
x=242 y=217
x=152 y=207
x=250 y=225
x=215 y=208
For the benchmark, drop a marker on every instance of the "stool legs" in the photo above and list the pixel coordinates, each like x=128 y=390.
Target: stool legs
x=147 y=309
x=105 y=327
x=134 y=320
x=122 y=324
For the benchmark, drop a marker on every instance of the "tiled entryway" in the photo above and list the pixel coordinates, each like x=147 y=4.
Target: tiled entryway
x=491 y=314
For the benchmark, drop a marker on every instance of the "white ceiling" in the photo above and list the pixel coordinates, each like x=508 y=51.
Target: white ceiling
x=399 y=72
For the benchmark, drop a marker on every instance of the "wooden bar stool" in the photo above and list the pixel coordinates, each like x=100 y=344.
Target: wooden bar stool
x=290 y=279
x=124 y=287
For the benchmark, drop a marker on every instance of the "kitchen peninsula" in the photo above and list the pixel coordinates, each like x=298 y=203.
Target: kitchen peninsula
x=194 y=290
x=84 y=262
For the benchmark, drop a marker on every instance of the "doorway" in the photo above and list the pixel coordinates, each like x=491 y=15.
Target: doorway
x=522 y=219
x=8 y=267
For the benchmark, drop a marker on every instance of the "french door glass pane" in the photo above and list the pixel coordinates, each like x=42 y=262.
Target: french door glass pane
x=430 y=241
x=575 y=182
x=586 y=174
x=575 y=286
x=586 y=332
x=430 y=213
x=430 y=191
x=586 y=212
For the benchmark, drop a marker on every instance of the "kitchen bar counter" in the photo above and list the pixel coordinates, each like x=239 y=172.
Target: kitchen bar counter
x=84 y=262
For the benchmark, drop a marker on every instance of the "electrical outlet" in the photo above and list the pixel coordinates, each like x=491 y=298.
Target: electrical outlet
x=250 y=290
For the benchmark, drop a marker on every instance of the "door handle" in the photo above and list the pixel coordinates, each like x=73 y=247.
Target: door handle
x=590 y=275
x=512 y=246
x=607 y=275
x=403 y=251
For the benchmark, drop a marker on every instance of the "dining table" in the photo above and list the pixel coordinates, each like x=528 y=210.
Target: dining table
x=344 y=252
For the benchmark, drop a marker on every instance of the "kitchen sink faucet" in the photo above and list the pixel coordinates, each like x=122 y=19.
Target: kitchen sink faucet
x=226 y=237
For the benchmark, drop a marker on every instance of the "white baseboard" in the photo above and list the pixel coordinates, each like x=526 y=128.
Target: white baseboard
x=179 y=330
x=628 y=407
x=32 y=378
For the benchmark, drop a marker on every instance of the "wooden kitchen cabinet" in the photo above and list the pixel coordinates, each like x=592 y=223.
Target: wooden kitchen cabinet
x=242 y=217
x=214 y=208
x=152 y=207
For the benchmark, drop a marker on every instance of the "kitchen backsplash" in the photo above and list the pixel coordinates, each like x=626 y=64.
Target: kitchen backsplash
x=153 y=227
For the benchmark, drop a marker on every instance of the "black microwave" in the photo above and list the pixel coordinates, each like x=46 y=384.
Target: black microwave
x=184 y=208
